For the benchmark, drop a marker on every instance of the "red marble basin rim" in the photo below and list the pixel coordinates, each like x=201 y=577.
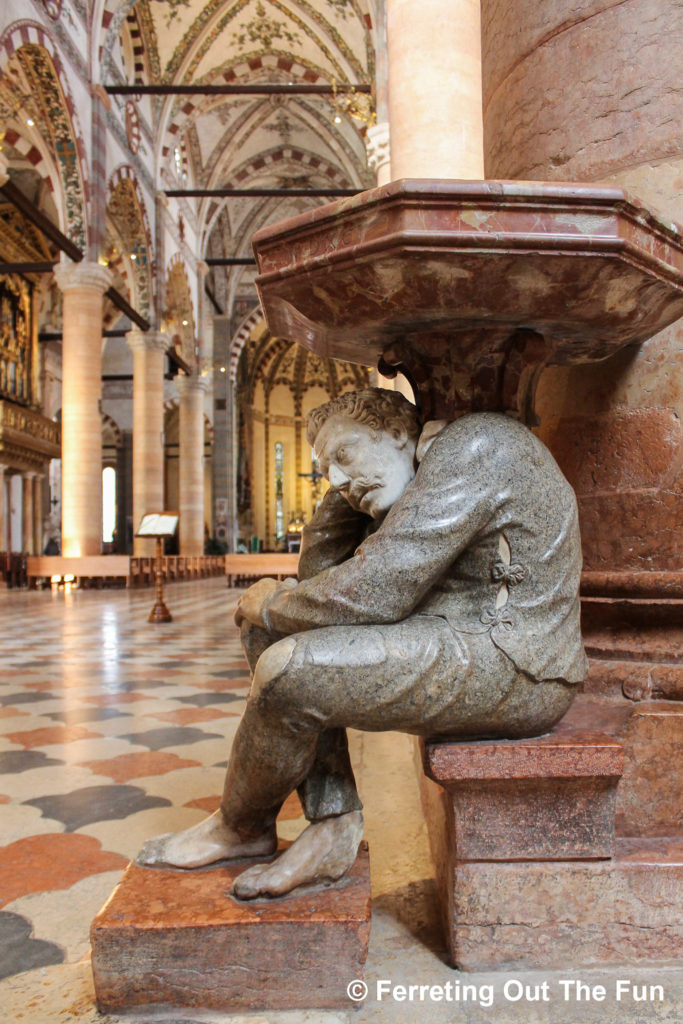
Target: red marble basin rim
x=602 y=202
x=585 y=266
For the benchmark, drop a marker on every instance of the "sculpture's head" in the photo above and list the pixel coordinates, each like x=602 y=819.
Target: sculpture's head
x=365 y=442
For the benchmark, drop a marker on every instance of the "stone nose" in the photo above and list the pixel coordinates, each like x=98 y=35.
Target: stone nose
x=337 y=477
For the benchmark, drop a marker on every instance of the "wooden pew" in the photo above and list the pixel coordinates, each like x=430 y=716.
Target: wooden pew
x=85 y=567
x=255 y=566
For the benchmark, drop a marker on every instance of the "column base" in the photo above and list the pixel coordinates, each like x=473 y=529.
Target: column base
x=169 y=938
x=570 y=914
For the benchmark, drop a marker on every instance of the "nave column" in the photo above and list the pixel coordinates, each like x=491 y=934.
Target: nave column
x=83 y=285
x=191 y=469
x=434 y=88
x=148 y=428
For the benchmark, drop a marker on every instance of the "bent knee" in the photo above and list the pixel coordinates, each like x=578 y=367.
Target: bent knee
x=271 y=665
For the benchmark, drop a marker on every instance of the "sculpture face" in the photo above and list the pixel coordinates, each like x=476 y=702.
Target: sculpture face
x=371 y=472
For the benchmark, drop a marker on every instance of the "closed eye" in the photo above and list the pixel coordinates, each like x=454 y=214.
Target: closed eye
x=344 y=454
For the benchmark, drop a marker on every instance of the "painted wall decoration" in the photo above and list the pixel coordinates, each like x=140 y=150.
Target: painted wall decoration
x=55 y=123
x=133 y=130
x=53 y=8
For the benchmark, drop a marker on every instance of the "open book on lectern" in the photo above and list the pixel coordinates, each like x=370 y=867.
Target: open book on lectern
x=158 y=524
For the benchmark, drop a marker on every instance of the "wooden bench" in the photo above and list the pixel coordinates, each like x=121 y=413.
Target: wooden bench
x=136 y=570
x=257 y=565
x=85 y=567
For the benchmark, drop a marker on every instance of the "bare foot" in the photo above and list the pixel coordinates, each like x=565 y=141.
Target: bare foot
x=322 y=853
x=208 y=841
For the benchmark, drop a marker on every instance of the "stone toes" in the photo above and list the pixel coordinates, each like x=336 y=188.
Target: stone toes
x=248 y=885
x=153 y=850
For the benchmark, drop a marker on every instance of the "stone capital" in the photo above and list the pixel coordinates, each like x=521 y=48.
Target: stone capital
x=377 y=145
x=188 y=385
x=147 y=341
x=73 y=276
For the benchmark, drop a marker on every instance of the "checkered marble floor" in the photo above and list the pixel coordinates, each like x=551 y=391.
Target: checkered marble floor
x=113 y=730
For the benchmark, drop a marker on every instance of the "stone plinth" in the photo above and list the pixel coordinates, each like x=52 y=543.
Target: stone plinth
x=529 y=872
x=174 y=938
x=581 y=913
x=550 y=798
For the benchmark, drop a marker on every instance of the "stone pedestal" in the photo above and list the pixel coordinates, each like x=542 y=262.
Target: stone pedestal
x=571 y=913
x=529 y=871
x=174 y=938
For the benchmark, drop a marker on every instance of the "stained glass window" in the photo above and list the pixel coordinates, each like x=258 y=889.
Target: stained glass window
x=279 y=494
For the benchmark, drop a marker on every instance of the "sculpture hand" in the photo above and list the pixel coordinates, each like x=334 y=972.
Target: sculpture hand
x=253 y=602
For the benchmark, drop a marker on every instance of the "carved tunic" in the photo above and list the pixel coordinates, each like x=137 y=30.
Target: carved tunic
x=486 y=536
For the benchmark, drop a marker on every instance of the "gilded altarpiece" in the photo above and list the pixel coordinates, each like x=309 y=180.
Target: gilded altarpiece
x=27 y=439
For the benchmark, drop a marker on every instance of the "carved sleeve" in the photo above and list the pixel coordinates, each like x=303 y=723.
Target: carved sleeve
x=332 y=536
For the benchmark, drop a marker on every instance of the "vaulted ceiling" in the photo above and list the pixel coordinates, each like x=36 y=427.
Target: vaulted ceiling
x=249 y=141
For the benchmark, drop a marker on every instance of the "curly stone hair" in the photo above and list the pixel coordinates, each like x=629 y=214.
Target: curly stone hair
x=377 y=408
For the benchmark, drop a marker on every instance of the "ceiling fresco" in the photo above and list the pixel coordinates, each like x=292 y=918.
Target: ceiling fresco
x=239 y=141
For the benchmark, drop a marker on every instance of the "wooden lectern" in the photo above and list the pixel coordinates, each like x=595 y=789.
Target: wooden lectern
x=159 y=525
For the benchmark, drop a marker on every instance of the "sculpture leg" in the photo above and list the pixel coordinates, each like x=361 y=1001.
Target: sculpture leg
x=329 y=787
x=413 y=676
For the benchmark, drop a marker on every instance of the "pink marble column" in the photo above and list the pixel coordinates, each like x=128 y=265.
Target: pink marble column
x=148 y=428
x=83 y=285
x=191 y=468
x=435 y=97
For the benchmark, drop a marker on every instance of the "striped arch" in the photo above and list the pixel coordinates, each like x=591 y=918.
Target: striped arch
x=112 y=9
x=140 y=71
x=33 y=155
x=241 y=337
x=170 y=406
x=30 y=33
x=111 y=432
x=128 y=225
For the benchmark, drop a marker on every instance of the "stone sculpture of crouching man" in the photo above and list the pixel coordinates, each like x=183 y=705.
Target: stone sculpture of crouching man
x=437 y=595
